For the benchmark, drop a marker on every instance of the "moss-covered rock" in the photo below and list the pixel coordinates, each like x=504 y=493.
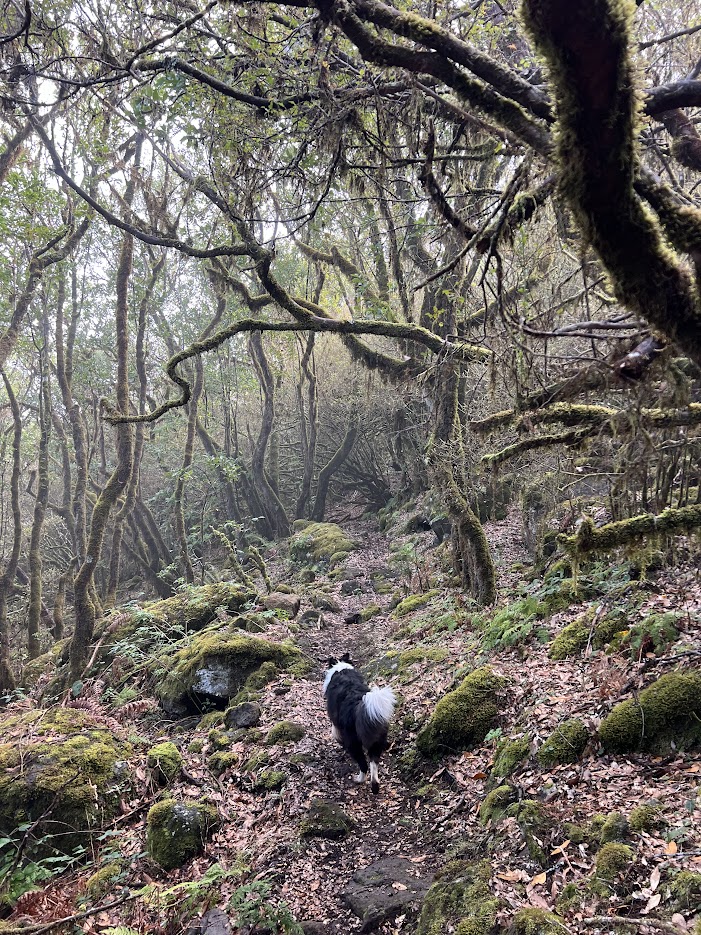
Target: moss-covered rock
x=244 y=715
x=565 y=745
x=196 y=607
x=665 y=713
x=103 y=880
x=413 y=602
x=571 y=640
x=646 y=818
x=509 y=754
x=533 y=921
x=285 y=732
x=496 y=803
x=175 y=833
x=214 y=667
x=534 y=822
x=164 y=761
x=211 y=719
x=219 y=739
x=269 y=780
x=464 y=716
x=318 y=542
x=325 y=820
x=460 y=900
x=615 y=828
x=575 y=833
x=612 y=860
x=64 y=770
x=686 y=889
x=221 y=761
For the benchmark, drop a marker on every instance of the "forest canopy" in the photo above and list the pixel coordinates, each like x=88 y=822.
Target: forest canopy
x=265 y=262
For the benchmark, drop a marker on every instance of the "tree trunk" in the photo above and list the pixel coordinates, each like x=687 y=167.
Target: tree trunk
x=326 y=473
x=42 y=497
x=7 y=680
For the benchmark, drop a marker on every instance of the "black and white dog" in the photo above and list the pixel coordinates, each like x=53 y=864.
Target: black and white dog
x=359 y=715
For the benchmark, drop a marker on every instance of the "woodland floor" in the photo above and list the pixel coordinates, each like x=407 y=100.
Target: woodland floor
x=427 y=818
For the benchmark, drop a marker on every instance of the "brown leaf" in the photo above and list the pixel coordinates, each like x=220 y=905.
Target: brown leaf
x=671 y=848
x=539 y=879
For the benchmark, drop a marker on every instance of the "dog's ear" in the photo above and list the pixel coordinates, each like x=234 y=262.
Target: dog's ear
x=346 y=658
x=331 y=662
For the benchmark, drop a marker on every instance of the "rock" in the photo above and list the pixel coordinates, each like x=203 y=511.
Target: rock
x=325 y=820
x=279 y=600
x=285 y=732
x=246 y=714
x=310 y=616
x=357 y=586
x=318 y=542
x=64 y=771
x=313 y=928
x=213 y=922
x=460 y=900
x=176 y=832
x=214 y=667
x=565 y=745
x=384 y=889
x=326 y=602
x=164 y=760
x=352 y=619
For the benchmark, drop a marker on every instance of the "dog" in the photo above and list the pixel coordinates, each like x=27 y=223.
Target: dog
x=359 y=716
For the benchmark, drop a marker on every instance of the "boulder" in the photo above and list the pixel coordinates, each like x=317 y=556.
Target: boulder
x=318 y=542
x=325 y=820
x=384 y=889
x=279 y=600
x=460 y=900
x=164 y=761
x=246 y=714
x=177 y=832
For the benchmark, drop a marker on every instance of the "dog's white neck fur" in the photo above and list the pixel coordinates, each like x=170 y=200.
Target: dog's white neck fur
x=332 y=671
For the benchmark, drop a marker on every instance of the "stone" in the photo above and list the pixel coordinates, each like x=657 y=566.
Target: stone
x=357 y=586
x=246 y=714
x=279 y=600
x=384 y=889
x=213 y=922
x=177 y=832
x=326 y=602
x=325 y=820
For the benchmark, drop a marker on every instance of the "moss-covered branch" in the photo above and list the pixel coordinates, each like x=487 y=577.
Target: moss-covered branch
x=670 y=522
x=588 y=50
x=534 y=442
x=573 y=414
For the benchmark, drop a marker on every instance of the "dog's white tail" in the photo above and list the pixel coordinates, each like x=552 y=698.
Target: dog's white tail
x=379 y=704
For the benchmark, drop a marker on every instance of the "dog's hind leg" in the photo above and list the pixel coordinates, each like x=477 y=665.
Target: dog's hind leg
x=374 y=754
x=355 y=749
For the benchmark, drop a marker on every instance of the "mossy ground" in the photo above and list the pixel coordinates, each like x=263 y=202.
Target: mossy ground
x=414 y=602
x=285 y=732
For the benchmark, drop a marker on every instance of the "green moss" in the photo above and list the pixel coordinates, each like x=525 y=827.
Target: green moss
x=219 y=739
x=63 y=770
x=665 y=713
x=241 y=657
x=594 y=827
x=268 y=780
x=325 y=820
x=570 y=897
x=338 y=558
x=460 y=900
x=655 y=633
x=318 y=542
x=686 y=889
x=496 y=803
x=413 y=602
x=194 y=608
x=421 y=654
x=258 y=759
x=285 y=732
x=211 y=719
x=263 y=676
x=222 y=761
x=463 y=717
x=367 y=613
x=612 y=860
x=615 y=828
x=103 y=881
x=509 y=754
x=532 y=921
x=534 y=822
x=565 y=745
x=645 y=818
x=571 y=640
x=176 y=833
x=195 y=746
x=575 y=833
x=165 y=761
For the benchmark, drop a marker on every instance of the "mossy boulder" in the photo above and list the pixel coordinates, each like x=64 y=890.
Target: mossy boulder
x=533 y=921
x=464 y=716
x=496 y=803
x=103 y=880
x=571 y=640
x=460 y=900
x=565 y=745
x=175 y=832
x=318 y=542
x=666 y=712
x=164 y=761
x=196 y=607
x=219 y=739
x=509 y=754
x=612 y=860
x=686 y=889
x=243 y=715
x=325 y=820
x=285 y=732
x=646 y=818
x=288 y=604
x=215 y=666
x=64 y=770
x=221 y=761
x=534 y=823
x=269 y=780
x=615 y=828
x=414 y=602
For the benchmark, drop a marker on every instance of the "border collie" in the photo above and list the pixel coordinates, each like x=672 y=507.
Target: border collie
x=359 y=715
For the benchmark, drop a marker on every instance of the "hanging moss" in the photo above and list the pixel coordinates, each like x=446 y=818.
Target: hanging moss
x=176 y=833
x=666 y=712
x=460 y=900
x=463 y=717
x=565 y=745
x=164 y=760
x=509 y=754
